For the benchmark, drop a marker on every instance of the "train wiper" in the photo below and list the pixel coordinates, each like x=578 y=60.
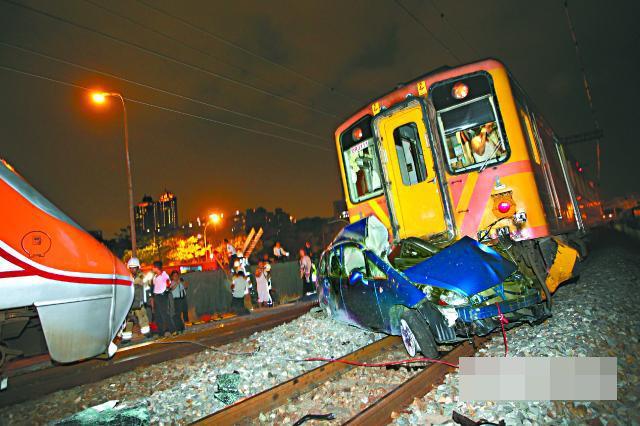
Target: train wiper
x=484 y=165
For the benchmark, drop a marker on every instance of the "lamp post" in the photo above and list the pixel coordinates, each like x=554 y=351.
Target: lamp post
x=215 y=219
x=100 y=98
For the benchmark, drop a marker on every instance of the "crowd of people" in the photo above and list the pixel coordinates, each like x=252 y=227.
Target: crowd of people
x=164 y=297
x=164 y=300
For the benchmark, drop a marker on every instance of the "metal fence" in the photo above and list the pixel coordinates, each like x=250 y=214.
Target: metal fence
x=210 y=293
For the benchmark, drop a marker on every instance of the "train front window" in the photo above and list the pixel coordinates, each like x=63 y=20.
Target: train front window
x=471 y=135
x=469 y=123
x=362 y=170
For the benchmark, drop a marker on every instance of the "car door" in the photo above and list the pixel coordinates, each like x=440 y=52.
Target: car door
x=333 y=278
x=359 y=295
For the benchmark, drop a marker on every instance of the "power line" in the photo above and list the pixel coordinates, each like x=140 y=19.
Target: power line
x=446 y=21
x=247 y=51
x=587 y=87
x=173 y=39
x=140 y=102
x=166 y=92
x=169 y=58
x=424 y=27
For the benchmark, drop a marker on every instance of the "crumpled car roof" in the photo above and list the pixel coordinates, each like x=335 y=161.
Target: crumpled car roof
x=466 y=266
x=369 y=232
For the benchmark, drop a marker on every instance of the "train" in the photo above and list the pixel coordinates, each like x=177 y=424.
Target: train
x=62 y=291
x=462 y=151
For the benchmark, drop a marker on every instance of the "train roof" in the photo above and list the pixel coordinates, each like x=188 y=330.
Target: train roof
x=409 y=88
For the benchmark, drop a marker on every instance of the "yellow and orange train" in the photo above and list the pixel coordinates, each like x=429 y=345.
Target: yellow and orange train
x=462 y=151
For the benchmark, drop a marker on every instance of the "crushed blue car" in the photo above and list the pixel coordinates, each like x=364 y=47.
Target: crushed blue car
x=425 y=294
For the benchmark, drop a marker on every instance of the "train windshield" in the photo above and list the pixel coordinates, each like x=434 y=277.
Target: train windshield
x=362 y=170
x=470 y=128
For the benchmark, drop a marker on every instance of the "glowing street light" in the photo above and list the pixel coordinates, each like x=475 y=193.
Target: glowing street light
x=214 y=218
x=100 y=98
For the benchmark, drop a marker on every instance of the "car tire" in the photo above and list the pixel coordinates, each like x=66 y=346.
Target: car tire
x=417 y=336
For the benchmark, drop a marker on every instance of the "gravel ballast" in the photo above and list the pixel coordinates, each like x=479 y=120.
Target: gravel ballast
x=182 y=390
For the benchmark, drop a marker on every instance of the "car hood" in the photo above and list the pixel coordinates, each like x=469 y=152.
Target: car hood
x=466 y=266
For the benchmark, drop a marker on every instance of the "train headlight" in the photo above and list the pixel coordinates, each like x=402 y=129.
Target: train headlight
x=504 y=206
x=460 y=90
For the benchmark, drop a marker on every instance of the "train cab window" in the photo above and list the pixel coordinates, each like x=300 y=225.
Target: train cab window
x=469 y=124
x=409 y=152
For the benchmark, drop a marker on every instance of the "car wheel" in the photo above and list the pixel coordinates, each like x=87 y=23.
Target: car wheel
x=417 y=336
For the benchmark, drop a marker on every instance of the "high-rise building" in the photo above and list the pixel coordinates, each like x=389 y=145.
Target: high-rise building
x=167 y=211
x=239 y=223
x=157 y=216
x=145 y=215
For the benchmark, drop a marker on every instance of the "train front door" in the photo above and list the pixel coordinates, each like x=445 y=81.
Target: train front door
x=411 y=169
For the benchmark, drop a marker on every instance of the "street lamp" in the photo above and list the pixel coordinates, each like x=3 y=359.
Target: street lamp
x=214 y=218
x=100 y=98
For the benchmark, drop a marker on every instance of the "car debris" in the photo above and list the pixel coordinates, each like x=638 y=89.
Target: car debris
x=427 y=294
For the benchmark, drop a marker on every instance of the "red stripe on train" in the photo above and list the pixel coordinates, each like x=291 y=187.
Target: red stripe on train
x=482 y=193
x=30 y=270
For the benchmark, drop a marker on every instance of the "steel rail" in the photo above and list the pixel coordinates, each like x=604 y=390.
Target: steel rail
x=246 y=409
x=38 y=383
x=379 y=413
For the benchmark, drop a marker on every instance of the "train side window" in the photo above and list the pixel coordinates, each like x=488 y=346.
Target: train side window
x=528 y=133
x=409 y=152
x=362 y=170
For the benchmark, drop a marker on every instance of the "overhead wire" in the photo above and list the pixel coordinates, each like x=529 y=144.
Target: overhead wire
x=585 y=81
x=167 y=57
x=168 y=109
x=157 y=89
x=171 y=38
x=426 y=29
x=245 y=50
x=446 y=21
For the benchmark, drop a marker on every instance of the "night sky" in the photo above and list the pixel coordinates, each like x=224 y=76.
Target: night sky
x=326 y=59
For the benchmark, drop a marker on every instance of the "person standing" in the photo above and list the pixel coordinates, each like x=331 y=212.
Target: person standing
x=231 y=252
x=238 y=291
x=161 y=294
x=262 y=284
x=307 y=249
x=305 y=274
x=180 y=305
x=138 y=312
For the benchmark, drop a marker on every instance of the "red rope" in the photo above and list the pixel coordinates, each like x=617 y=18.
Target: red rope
x=501 y=318
x=383 y=364
x=503 y=321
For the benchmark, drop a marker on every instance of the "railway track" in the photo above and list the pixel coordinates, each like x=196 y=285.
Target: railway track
x=30 y=384
x=247 y=411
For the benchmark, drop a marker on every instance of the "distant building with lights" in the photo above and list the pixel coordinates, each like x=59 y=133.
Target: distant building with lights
x=157 y=216
x=239 y=223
